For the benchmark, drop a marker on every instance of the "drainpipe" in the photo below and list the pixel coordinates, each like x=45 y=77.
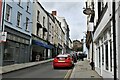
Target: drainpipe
x=114 y=40
x=1 y=44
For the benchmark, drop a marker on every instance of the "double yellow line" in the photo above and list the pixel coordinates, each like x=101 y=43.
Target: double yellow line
x=67 y=76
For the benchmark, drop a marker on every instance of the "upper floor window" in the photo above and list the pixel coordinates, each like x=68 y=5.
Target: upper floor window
x=19 y=2
x=43 y=21
x=37 y=32
x=38 y=15
x=8 y=13
x=28 y=5
x=27 y=20
x=19 y=19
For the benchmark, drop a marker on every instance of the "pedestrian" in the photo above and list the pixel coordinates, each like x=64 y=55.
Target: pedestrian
x=37 y=57
x=80 y=56
x=92 y=65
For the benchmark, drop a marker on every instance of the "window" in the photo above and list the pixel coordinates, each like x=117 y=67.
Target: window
x=19 y=2
x=52 y=39
x=37 y=30
x=102 y=54
x=28 y=5
x=106 y=51
x=111 y=55
x=8 y=12
x=27 y=20
x=99 y=58
x=19 y=19
x=9 y=51
x=43 y=21
x=38 y=14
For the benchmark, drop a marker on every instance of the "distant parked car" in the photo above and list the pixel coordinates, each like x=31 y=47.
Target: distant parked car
x=84 y=55
x=62 y=61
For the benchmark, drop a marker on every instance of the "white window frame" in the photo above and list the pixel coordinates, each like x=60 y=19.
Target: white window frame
x=27 y=23
x=19 y=2
x=19 y=19
x=43 y=21
x=8 y=13
x=38 y=15
x=28 y=5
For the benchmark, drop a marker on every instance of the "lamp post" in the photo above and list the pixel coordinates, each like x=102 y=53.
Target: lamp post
x=89 y=11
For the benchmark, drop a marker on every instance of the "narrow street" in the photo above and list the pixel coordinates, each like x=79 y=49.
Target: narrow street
x=41 y=71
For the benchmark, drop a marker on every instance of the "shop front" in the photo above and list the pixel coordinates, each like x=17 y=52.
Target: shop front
x=16 y=49
x=41 y=50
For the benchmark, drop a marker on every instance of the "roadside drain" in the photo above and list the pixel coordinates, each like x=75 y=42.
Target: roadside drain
x=92 y=76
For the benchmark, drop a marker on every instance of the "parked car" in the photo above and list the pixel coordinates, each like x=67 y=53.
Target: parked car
x=62 y=61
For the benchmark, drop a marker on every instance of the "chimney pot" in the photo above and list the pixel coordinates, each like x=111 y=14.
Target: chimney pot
x=54 y=13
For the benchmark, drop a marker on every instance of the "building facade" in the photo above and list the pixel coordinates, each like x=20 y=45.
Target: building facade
x=66 y=30
x=103 y=41
x=77 y=45
x=51 y=29
x=40 y=46
x=103 y=38
x=16 y=22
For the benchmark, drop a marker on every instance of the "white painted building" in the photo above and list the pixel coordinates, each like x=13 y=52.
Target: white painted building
x=103 y=38
x=118 y=35
x=40 y=32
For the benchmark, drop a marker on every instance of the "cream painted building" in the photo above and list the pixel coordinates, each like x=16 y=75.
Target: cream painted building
x=40 y=31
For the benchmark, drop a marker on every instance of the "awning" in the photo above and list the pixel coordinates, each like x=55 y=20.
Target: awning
x=39 y=43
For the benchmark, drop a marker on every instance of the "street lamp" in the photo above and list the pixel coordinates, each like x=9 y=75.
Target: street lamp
x=89 y=11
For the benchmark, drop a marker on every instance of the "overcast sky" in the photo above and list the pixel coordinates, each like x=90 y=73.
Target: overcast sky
x=73 y=13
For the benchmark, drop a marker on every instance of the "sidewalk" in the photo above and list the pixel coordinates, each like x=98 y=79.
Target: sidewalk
x=83 y=70
x=15 y=67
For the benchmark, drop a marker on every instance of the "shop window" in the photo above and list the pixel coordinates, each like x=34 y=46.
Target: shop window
x=106 y=51
x=102 y=54
x=8 y=53
x=99 y=58
x=110 y=55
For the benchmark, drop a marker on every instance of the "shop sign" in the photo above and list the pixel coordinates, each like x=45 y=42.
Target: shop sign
x=3 y=36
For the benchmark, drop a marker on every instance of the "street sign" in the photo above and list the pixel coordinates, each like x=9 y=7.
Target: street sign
x=3 y=36
x=90 y=27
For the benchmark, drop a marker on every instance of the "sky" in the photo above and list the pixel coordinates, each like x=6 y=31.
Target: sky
x=73 y=13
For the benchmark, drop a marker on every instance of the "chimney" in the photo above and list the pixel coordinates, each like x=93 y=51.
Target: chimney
x=54 y=13
x=82 y=40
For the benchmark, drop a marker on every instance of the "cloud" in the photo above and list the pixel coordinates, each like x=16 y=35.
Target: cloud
x=73 y=13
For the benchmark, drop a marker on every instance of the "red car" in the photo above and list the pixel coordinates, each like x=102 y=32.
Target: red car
x=63 y=60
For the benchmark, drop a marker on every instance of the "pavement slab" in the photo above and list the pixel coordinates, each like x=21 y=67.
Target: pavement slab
x=82 y=69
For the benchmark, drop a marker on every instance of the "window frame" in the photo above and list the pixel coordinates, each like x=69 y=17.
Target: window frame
x=20 y=16
x=8 y=13
x=28 y=5
x=27 y=23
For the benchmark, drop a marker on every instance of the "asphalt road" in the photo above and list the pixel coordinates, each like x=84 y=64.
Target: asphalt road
x=41 y=71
